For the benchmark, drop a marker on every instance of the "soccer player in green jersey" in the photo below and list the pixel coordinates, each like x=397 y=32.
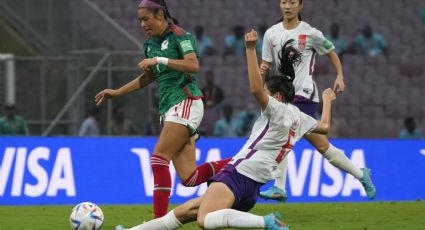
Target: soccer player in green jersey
x=172 y=62
x=12 y=124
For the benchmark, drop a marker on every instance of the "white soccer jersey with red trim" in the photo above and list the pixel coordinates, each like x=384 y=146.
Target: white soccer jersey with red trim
x=309 y=41
x=274 y=134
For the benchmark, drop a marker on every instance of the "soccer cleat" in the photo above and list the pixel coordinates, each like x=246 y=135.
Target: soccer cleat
x=274 y=193
x=367 y=183
x=119 y=227
x=274 y=221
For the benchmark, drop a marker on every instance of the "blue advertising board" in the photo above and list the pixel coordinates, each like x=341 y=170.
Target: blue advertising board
x=35 y=170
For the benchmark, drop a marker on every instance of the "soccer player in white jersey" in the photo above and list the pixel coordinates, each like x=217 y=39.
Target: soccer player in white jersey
x=309 y=41
x=234 y=191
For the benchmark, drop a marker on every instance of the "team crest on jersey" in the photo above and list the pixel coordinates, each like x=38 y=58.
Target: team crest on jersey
x=302 y=42
x=307 y=91
x=164 y=45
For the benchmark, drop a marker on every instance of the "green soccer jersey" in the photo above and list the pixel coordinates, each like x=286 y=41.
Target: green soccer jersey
x=174 y=86
x=14 y=126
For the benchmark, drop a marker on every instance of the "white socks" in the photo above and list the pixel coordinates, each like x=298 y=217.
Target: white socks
x=225 y=218
x=282 y=172
x=334 y=155
x=167 y=222
x=229 y=218
x=338 y=159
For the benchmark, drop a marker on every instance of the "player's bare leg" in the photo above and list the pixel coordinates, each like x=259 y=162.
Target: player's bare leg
x=218 y=196
x=191 y=175
x=175 y=144
x=338 y=159
x=171 y=141
x=185 y=160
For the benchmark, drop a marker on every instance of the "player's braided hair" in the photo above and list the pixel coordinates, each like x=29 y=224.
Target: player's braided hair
x=282 y=82
x=166 y=11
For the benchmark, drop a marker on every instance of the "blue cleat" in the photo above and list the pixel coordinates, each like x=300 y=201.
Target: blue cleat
x=274 y=193
x=119 y=227
x=274 y=221
x=367 y=183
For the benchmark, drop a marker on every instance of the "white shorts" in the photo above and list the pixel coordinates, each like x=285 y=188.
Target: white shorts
x=188 y=113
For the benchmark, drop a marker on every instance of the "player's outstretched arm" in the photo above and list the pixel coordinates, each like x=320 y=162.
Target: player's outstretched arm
x=141 y=81
x=323 y=126
x=254 y=74
x=339 y=85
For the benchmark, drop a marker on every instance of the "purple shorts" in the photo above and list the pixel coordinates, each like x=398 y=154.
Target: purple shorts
x=306 y=106
x=244 y=189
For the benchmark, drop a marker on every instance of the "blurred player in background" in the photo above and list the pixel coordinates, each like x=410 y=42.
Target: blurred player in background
x=309 y=41
x=12 y=124
x=171 y=61
x=234 y=191
x=90 y=125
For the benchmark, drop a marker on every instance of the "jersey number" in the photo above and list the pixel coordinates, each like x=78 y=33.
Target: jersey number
x=288 y=146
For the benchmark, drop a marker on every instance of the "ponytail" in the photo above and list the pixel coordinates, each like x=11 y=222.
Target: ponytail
x=288 y=57
x=167 y=14
x=282 y=82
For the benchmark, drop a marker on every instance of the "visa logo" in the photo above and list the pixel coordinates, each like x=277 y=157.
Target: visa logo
x=313 y=175
x=30 y=177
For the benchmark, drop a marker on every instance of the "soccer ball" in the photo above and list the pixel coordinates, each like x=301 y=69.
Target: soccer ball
x=86 y=216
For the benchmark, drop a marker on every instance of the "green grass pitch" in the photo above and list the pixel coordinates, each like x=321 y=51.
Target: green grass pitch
x=311 y=216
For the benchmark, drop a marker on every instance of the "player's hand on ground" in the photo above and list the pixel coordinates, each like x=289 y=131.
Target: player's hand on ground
x=339 y=85
x=328 y=95
x=146 y=63
x=251 y=39
x=104 y=95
